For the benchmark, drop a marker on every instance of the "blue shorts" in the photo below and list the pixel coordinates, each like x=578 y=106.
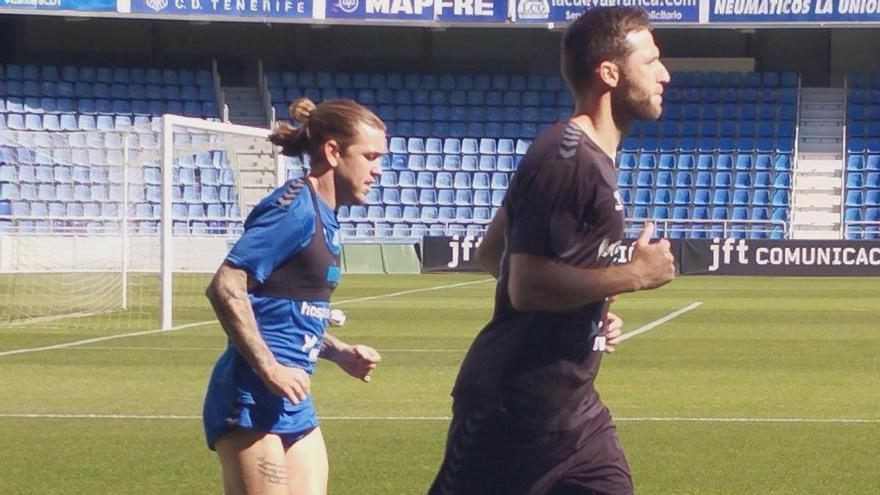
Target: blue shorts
x=228 y=405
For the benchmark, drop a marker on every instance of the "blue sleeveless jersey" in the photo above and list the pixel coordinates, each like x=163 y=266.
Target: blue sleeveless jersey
x=296 y=271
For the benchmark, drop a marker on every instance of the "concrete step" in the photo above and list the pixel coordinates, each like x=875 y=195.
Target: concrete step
x=823 y=146
x=816 y=131
x=820 y=90
x=820 y=155
x=815 y=234
x=814 y=218
x=830 y=107
x=815 y=182
x=821 y=200
x=825 y=173
x=829 y=121
x=821 y=98
x=821 y=114
x=819 y=164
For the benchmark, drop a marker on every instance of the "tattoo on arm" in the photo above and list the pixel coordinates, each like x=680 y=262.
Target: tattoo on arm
x=229 y=297
x=272 y=472
x=330 y=346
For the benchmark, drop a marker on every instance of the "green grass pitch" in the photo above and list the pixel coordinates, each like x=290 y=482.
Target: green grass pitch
x=771 y=386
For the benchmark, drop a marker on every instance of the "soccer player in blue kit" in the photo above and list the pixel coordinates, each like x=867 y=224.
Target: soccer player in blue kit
x=527 y=419
x=271 y=296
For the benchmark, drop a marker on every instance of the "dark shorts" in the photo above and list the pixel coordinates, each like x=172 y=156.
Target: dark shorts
x=487 y=453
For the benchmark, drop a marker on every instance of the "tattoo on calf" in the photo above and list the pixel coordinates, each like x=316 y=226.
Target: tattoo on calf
x=273 y=473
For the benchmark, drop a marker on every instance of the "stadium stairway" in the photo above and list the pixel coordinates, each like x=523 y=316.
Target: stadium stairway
x=816 y=202
x=257 y=165
x=245 y=106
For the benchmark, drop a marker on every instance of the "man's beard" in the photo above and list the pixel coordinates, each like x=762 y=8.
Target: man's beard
x=629 y=104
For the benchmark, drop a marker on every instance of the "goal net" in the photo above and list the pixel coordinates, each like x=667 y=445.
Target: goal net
x=120 y=229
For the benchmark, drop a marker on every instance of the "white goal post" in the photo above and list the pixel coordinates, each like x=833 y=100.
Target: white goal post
x=170 y=125
x=96 y=224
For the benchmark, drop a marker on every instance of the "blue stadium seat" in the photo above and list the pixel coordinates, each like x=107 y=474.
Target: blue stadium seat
x=468 y=162
x=661 y=212
x=462 y=180
x=722 y=179
x=626 y=161
x=487 y=163
x=469 y=146
x=645 y=178
x=667 y=161
x=451 y=146
x=782 y=181
x=639 y=212
x=662 y=196
x=741 y=197
x=682 y=197
x=451 y=163
x=702 y=197
x=663 y=179
x=707 y=145
x=499 y=181
x=431 y=162
x=642 y=197
x=854 y=180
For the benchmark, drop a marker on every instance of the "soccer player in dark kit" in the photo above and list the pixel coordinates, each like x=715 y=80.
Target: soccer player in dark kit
x=527 y=419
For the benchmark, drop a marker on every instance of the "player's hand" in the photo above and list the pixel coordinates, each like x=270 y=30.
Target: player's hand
x=288 y=381
x=358 y=360
x=613 y=326
x=653 y=263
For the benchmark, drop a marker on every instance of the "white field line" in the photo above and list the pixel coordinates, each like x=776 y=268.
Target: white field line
x=659 y=321
x=412 y=291
x=41 y=319
x=642 y=329
x=647 y=419
x=207 y=322
x=99 y=339
x=214 y=349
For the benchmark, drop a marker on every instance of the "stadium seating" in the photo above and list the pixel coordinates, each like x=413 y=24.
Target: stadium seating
x=722 y=149
x=862 y=169
x=725 y=139
x=78 y=173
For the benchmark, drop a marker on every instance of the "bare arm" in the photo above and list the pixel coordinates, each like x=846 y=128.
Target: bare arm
x=356 y=360
x=331 y=347
x=540 y=284
x=229 y=297
x=492 y=248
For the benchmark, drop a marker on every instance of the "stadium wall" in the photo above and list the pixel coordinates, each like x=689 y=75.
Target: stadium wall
x=194 y=254
x=704 y=256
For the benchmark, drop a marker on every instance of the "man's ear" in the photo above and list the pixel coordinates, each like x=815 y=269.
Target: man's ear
x=331 y=152
x=609 y=73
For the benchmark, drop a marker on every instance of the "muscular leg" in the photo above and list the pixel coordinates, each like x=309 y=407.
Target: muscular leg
x=252 y=463
x=307 y=465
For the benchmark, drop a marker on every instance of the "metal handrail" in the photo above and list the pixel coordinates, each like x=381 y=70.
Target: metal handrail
x=265 y=96
x=219 y=92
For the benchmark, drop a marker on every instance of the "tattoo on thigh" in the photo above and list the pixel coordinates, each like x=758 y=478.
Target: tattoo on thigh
x=273 y=473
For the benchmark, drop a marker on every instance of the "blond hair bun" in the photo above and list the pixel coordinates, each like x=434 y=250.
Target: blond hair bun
x=300 y=109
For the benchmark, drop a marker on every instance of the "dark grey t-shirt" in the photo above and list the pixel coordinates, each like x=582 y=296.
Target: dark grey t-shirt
x=562 y=204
